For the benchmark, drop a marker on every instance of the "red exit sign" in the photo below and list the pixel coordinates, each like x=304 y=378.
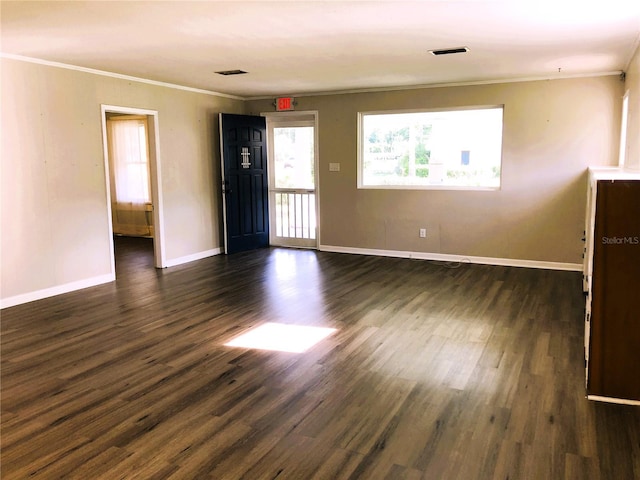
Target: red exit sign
x=284 y=103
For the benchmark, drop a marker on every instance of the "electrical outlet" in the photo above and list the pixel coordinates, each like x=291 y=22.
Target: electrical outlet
x=423 y=233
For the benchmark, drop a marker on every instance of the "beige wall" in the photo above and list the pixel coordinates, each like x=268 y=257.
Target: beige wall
x=553 y=130
x=54 y=219
x=54 y=212
x=632 y=84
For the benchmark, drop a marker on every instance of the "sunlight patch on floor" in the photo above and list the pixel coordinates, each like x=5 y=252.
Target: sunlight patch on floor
x=281 y=337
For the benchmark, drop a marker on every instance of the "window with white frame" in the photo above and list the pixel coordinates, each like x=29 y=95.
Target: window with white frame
x=457 y=149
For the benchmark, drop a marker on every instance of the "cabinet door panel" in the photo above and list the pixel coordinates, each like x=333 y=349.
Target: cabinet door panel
x=614 y=357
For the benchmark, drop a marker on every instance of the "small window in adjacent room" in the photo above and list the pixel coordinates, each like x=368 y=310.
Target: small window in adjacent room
x=431 y=149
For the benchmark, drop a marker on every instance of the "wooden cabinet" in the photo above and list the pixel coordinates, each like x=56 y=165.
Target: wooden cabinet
x=612 y=284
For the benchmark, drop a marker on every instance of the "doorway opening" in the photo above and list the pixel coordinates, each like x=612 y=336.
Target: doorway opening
x=293 y=179
x=132 y=171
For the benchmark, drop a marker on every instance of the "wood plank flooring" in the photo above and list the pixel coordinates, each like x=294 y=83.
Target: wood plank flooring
x=474 y=372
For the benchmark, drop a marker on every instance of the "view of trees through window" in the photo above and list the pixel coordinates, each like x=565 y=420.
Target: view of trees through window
x=458 y=148
x=294 y=157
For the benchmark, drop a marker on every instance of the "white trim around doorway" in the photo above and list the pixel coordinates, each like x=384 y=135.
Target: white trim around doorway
x=311 y=116
x=155 y=177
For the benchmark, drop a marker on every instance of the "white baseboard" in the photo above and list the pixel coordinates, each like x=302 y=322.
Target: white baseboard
x=445 y=257
x=92 y=282
x=57 y=290
x=193 y=257
x=620 y=401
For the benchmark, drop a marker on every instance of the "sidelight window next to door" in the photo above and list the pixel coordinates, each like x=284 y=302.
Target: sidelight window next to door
x=292 y=182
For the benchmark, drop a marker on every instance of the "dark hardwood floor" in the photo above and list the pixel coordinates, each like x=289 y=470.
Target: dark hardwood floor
x=474 y=372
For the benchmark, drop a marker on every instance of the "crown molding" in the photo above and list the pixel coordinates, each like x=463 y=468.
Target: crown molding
x=120 y=76
x=440 y=85
x=320 y=93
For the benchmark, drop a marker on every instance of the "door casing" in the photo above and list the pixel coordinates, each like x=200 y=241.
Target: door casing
x=276 y=119
x=153 y=133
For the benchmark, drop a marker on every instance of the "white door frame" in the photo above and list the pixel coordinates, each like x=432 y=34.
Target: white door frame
x=223 y=186
x=153 y=134
x=303 y=115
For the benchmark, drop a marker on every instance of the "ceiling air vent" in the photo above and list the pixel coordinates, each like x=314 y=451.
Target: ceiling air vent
x=449 y=51
x=231 y=72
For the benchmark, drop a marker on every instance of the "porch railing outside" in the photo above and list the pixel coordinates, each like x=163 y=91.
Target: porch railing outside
x=295 y=213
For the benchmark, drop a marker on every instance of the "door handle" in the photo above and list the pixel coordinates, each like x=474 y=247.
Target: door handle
x=225 y=187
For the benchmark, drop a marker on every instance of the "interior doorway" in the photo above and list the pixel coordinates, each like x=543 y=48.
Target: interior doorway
x=134 y=196
x=293 y=179
x=129 y=175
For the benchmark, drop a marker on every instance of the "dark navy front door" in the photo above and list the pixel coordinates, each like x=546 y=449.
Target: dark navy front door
x=244 y=179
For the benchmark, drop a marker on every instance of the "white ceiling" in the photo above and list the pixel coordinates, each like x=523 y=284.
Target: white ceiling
x=300 y=47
